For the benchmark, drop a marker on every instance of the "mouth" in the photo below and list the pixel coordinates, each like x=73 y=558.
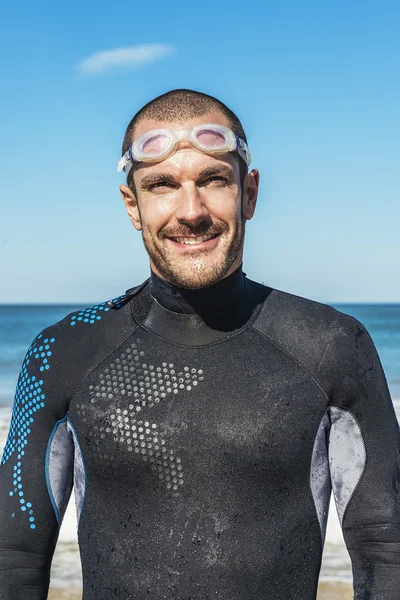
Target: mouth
x=194 y=240
x=194 y=243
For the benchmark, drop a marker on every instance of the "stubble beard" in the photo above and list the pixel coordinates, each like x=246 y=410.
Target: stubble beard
x=201 y=270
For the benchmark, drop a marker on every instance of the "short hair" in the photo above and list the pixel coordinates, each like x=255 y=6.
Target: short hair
x=182 y=105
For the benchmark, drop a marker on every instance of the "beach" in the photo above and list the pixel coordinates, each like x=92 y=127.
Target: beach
x=334 y=591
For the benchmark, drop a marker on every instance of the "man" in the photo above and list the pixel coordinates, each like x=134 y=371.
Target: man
x=202 y=417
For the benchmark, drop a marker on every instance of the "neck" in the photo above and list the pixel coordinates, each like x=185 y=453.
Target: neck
x=209 y=300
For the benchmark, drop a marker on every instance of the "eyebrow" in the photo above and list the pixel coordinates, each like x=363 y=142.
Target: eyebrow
x=217 y=170
x=208 y=172
x=156 y=178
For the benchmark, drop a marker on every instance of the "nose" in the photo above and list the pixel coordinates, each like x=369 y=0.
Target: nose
x=191 y=209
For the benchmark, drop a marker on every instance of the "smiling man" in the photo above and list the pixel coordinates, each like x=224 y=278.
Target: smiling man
x=193 y=203
x=203 y=418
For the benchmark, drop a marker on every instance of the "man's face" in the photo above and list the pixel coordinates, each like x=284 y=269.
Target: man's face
x=191 y=209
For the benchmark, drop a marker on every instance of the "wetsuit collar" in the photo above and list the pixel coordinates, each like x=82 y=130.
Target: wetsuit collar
x=217 y=313
x=210 y=300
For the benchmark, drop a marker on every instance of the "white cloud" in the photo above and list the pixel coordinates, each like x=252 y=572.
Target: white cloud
x=134 y=56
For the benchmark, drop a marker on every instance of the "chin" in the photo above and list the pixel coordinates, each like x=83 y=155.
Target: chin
x=196 y=275
x=196 y=271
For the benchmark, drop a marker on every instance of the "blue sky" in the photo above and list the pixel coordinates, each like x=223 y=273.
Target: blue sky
x=316 y=86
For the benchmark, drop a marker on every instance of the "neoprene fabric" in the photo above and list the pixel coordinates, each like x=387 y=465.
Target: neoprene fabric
x=203 y=443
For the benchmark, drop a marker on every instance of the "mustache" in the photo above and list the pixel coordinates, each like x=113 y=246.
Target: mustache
x=203 y=228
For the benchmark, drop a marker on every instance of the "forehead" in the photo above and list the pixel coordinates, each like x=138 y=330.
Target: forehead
x=145 y=125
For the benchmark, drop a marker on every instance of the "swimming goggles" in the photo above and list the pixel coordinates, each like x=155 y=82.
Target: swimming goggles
x=157 y=144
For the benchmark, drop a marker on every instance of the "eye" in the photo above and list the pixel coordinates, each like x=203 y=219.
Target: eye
x=216 y=180
x=158 y=186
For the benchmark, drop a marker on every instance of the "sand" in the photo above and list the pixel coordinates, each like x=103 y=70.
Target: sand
x=326 y=591
x=62 y=594
x=335 y=591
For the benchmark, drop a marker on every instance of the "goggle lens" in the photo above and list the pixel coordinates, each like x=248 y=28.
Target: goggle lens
x=209 y=138
x=155 y=145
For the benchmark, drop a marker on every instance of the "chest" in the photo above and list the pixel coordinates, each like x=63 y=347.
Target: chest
x=224 y=407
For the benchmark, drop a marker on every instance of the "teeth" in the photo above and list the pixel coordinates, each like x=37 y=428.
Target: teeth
x=193 y=240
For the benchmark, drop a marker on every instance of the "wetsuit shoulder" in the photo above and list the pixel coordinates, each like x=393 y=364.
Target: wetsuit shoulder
x=321 y=338
x=288 y=312
x=68 y=349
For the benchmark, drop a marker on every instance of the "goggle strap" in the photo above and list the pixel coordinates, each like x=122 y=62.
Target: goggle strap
x=243 y=150
x=122 y=162
x=125 y=160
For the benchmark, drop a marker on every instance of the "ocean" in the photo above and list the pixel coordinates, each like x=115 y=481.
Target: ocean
x=20 y=324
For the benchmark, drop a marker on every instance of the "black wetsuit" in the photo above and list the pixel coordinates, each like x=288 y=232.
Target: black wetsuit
x=202 y=438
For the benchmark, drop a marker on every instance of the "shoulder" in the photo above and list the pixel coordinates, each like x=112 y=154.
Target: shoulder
x=335 y=348
x=94 y=320
x=296 y=315
x=312 y=332
x=83 y=323
x=66 y=350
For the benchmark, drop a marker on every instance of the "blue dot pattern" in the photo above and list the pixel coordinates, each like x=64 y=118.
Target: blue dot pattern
x=29 y=398
x=92 y=314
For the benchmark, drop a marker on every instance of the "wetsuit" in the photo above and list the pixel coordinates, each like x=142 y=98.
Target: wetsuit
x=202 y=438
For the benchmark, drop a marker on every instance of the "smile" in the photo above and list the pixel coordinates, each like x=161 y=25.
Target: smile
x=194 y=240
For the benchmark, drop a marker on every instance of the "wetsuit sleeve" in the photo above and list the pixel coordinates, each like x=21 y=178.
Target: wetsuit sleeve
x=35 y=474
x=365 y=467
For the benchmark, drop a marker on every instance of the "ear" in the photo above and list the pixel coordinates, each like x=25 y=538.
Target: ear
x=250 y=193
x=131 y=206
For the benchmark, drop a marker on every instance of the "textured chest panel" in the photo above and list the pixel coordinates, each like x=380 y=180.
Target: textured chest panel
x=168 y=415
x=195 y=457
x=118 y=410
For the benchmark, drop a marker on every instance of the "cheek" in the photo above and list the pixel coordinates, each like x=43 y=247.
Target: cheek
x=222 y=201
x=155 y=214
x=226 y=208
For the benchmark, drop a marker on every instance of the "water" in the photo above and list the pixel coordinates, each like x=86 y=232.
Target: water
x=20 y=324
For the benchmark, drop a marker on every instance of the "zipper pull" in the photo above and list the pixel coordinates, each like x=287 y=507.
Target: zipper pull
x=116 y=303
